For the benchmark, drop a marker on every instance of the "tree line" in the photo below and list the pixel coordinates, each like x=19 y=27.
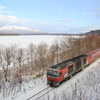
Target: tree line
x=17 y=62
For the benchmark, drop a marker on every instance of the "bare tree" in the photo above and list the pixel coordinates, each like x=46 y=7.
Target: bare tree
x=8 y=55
x=66 y=46
x=52 y=54
x=32 y=55
x=14 y=48
x=8 y=59
x=19 y=57
x=42 y=49
x=1 y=54
x=56 y=49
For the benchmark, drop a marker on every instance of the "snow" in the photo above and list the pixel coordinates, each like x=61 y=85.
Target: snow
x=35 y=89
x=79 y=80
x=16 y=29
x=23 y=41
x=13 y=28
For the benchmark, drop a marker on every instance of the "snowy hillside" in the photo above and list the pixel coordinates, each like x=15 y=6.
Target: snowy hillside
x=85 y=86
x=18 y=30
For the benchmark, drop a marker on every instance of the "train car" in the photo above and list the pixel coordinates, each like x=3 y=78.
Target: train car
x=93 y=55
x=61 y=71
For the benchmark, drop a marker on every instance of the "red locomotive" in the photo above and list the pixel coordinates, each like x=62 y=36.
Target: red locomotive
x=61 y=71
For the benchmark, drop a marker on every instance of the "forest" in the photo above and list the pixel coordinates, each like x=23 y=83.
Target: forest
x=22 y=65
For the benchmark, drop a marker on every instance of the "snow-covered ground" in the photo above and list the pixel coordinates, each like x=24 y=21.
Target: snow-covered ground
x=85 y=85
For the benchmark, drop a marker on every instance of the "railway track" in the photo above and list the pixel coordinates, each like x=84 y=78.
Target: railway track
x=40 y=94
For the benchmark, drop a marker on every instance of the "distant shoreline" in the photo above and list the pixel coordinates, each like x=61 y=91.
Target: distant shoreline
x=41 y=34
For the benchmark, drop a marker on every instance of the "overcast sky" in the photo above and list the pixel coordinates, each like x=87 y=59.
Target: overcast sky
x=58 y=16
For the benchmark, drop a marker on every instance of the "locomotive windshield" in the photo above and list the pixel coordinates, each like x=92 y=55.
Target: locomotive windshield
x=53 y=73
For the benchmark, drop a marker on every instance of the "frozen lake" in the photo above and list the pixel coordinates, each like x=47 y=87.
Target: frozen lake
x=23 y=41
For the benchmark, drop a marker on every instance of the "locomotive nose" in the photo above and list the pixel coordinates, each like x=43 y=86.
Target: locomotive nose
x=52 y=83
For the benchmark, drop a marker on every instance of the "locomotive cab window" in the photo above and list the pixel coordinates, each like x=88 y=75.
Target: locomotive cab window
x=84 y=61
x=70 y=69
x=53 y=73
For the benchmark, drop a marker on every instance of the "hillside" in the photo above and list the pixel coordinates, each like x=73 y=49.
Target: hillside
x=74 y=89
x=93 y=32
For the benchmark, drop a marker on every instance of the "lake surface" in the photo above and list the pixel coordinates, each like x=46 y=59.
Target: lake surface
x=25 y=40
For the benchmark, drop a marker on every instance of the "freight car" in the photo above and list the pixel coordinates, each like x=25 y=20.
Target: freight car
x=61 y=71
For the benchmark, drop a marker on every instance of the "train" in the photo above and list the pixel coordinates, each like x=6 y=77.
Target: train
x=57 y=73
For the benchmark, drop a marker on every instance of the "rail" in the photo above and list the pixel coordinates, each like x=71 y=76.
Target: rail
x=40 y=94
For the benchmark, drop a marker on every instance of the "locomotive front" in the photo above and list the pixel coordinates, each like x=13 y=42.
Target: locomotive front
x=53 y=77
